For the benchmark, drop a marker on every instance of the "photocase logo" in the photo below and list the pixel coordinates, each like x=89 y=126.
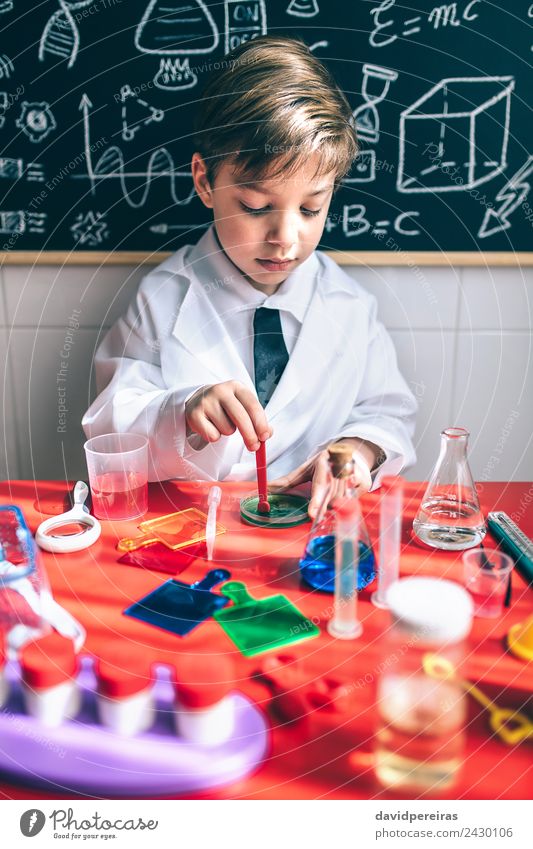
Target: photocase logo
x=32 y=822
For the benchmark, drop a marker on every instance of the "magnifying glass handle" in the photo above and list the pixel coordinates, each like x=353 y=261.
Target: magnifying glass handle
x=80 y=493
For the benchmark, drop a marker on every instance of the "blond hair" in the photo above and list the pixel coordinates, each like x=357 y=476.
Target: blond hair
x=273 y=106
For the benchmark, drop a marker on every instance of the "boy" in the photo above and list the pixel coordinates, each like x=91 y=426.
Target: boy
x=251 y=334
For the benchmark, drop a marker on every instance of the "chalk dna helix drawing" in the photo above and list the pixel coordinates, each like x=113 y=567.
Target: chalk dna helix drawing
x=61 y=36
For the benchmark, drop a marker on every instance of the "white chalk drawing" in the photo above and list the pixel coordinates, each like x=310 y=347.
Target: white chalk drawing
x=243 y=20
x=144 y=114
x=355 y=223
x=512 y=195
x=4 y=105
x=162 y=229
x=90 y=229
x=6 y=66
x=61 y=36
x=14 y=169
x=317 y=45
x=455 y=136
x=374 y=88
x=364 y=168
x=176 y=28
x=20 y=221
x=387 y=28
x=36 y=120
x=111 y=166
x=303 y=8
x=6 y=6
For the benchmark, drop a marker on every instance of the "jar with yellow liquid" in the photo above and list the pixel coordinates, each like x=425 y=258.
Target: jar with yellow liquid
x=421 y=714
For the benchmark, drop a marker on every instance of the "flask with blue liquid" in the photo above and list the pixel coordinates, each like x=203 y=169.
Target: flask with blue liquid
x=317 y=566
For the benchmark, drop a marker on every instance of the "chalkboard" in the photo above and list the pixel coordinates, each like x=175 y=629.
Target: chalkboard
x=95 y=121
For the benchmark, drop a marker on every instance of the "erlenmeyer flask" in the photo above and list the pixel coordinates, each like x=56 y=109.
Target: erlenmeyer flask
x=449 y=516
x=317 y=566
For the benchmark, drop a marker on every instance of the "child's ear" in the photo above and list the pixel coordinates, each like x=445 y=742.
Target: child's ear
x=201 y=183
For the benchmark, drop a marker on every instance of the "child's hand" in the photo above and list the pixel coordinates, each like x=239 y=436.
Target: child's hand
x=221 y=409
x=316 y=470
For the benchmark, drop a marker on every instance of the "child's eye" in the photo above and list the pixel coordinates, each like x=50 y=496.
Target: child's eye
x=307 y=212
x=253 y=211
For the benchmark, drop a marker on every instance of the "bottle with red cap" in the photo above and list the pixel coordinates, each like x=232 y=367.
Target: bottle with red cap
x=205 y=712
x=3 y=681
x=49 y=666
x=124 y=688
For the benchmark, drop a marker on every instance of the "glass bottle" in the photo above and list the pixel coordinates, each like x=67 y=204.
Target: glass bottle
x=421 y=705
x=317 y=566
x=449 y=516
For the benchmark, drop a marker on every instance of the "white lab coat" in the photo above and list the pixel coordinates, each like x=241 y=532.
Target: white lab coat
x=342 y=377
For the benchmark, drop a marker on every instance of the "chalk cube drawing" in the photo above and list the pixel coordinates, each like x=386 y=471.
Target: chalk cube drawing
x=455 y=136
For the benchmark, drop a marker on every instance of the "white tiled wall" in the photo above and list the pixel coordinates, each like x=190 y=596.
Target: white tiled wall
x=463 y=338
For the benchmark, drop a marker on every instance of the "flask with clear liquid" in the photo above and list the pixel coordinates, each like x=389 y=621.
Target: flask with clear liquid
x=317 y=566
x=449 y=516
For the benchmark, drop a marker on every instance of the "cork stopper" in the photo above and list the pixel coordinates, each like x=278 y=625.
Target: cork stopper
x=340 y=458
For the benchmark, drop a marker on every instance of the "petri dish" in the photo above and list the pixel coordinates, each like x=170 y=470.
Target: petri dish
x=286 y=511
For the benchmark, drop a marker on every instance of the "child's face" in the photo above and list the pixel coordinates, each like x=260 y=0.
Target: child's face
x=273 y=220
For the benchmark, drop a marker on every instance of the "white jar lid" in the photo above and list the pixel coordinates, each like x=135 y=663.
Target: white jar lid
x=436 y=609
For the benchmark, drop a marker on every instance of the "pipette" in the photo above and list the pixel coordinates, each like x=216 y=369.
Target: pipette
x=213 y=500
x=260 y=459
x=344 y=624
x=390 y=533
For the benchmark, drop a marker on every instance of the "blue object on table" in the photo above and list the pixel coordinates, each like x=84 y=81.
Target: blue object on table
x=179 y=607
x=317 y=566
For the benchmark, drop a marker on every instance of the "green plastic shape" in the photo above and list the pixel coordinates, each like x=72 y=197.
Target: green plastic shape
x=260 y=625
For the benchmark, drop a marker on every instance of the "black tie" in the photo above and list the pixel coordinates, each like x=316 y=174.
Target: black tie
x=270 y=352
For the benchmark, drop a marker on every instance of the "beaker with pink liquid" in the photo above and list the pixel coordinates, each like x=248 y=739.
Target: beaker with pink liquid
x=118 y=475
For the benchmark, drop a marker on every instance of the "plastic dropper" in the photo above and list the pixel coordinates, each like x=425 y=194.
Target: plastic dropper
x=390 y=535
x=213 y=500
x=344 y=624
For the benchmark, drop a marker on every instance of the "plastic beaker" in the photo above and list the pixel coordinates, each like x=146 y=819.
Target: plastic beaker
x=118 y=475
x=486 y=574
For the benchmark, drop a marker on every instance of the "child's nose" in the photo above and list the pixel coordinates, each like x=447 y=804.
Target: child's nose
x=284 y=233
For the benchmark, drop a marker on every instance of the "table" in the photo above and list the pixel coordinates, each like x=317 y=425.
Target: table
x=327 y=755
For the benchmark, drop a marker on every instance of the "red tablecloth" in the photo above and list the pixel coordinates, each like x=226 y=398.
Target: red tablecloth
x=328 y=755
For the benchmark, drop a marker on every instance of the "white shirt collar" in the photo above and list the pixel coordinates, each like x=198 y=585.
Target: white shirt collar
x=229 y=290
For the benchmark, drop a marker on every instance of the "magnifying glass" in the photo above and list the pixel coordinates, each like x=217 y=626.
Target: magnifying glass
x=71 y=531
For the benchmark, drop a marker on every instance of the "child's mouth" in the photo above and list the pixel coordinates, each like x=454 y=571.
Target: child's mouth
x=275 y=266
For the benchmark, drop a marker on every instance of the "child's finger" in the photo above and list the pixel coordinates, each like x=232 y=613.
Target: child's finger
x=222 y=421
x=317 y=495
x=300 y=475
x=242 y=421
x=256 y=412
x=319 y=485
x=206 y=429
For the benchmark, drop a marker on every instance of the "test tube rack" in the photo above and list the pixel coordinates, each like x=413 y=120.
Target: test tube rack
x=82 y=756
